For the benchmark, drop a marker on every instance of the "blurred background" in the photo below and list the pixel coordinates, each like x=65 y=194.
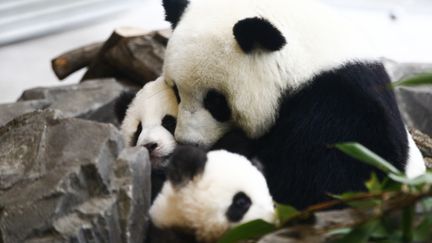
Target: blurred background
x=32 y=32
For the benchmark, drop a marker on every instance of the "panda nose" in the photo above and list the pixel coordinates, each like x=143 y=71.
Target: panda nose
x=151 y=146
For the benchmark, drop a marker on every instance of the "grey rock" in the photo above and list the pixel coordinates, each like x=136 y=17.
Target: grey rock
x=133 y=180
x=415 y=104
x=57 y=180
x=93 y=100
x=9 y=111
x=399 y=71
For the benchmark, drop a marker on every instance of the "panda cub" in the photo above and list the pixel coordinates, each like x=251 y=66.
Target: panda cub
x=208 y=193
x=151 y=119
x=296 y=79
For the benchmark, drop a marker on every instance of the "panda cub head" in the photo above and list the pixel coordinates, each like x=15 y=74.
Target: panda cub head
x=232 y=61
x=208 y=193
x=151 y=119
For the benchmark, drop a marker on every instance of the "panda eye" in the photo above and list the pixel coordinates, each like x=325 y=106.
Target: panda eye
x=217 y=105
x=176 y=92
x=239 y=206
x=134 y=140
x=169 y=123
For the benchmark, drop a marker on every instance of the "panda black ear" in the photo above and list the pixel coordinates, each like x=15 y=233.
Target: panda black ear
x=256 y=32
x=122 y=104
x=174 y=10
x=186 y=162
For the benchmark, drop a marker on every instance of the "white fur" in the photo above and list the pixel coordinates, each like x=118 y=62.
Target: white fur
x=151 y=104
x=202 y=54
x=200 y=205
x=416 y=165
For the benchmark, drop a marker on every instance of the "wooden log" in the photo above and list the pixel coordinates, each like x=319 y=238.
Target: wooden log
x=72 y=61
x=132 y=54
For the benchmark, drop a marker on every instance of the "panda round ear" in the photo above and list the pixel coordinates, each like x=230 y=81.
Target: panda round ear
x=174 y=10
x=186 y=162
x=256 y=32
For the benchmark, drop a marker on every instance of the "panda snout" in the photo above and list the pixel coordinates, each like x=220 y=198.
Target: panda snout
x=151 y=147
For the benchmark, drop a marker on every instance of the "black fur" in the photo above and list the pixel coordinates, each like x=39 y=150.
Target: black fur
x=352 y=103
x=256 y=32
x=176 y=92
x=122 y=103
x=174 y=10
x=236 y=141
x=186 y=162
x=169 y=123
x=239 y=207
x=135 y=137
x=217 y=105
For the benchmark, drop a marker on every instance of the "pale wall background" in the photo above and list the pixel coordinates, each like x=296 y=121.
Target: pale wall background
x=27 y=64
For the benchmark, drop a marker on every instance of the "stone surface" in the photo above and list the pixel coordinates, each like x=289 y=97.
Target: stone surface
x=92 y=100
x=415 y=104
x=399 y=71
x=9 y=111
x=66 y=180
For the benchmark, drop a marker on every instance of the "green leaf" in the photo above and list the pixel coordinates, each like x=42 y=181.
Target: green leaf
x=366 y=203
x=373 y=184
x=285 y=213
x=363 y=154
x=407 y=223
x=420 y=180
x=423 y=232
x=360 y=234
x=250 y=230
x=421 y=79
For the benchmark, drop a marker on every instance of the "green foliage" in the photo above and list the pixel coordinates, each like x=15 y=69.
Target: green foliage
x=248 y=230
x=422 y=79
x=363 y=154
x=285 y=213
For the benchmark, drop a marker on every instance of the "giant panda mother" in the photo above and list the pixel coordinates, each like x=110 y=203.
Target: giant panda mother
x=292 y=76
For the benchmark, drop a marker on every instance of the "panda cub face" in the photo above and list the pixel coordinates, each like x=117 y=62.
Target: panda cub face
x=208 y=193
x=233 y=61
x=151 y=119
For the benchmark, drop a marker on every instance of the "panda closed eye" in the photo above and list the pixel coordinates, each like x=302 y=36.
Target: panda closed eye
x=169 y=122
x=239 y=206
x=217 y=105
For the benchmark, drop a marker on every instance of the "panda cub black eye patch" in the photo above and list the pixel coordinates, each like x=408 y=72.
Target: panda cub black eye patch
x=217 y=105
x=239 y=207
x=135 y=137
x=169 y=123
x=176 y=92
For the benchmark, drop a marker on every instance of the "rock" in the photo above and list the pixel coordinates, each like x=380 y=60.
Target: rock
x=415 y=104
x=399 y=71
x=9 y=111
x=93 y=100
x=133 y=180
x=62 y=180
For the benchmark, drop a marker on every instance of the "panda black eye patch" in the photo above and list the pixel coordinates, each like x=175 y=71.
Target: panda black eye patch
x=169 y=123
x=135 y=137
x=176 y=92
x=217 y=105
x=239 y=207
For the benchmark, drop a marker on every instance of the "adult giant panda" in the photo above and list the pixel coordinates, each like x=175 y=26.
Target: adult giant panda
x=203 y=199
x=295 y=78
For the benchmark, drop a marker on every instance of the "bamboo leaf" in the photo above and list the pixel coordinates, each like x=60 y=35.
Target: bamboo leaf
x=360 y=234
x=250 y=230
x=285 y=213
x=421 y=79
x=363 y=154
